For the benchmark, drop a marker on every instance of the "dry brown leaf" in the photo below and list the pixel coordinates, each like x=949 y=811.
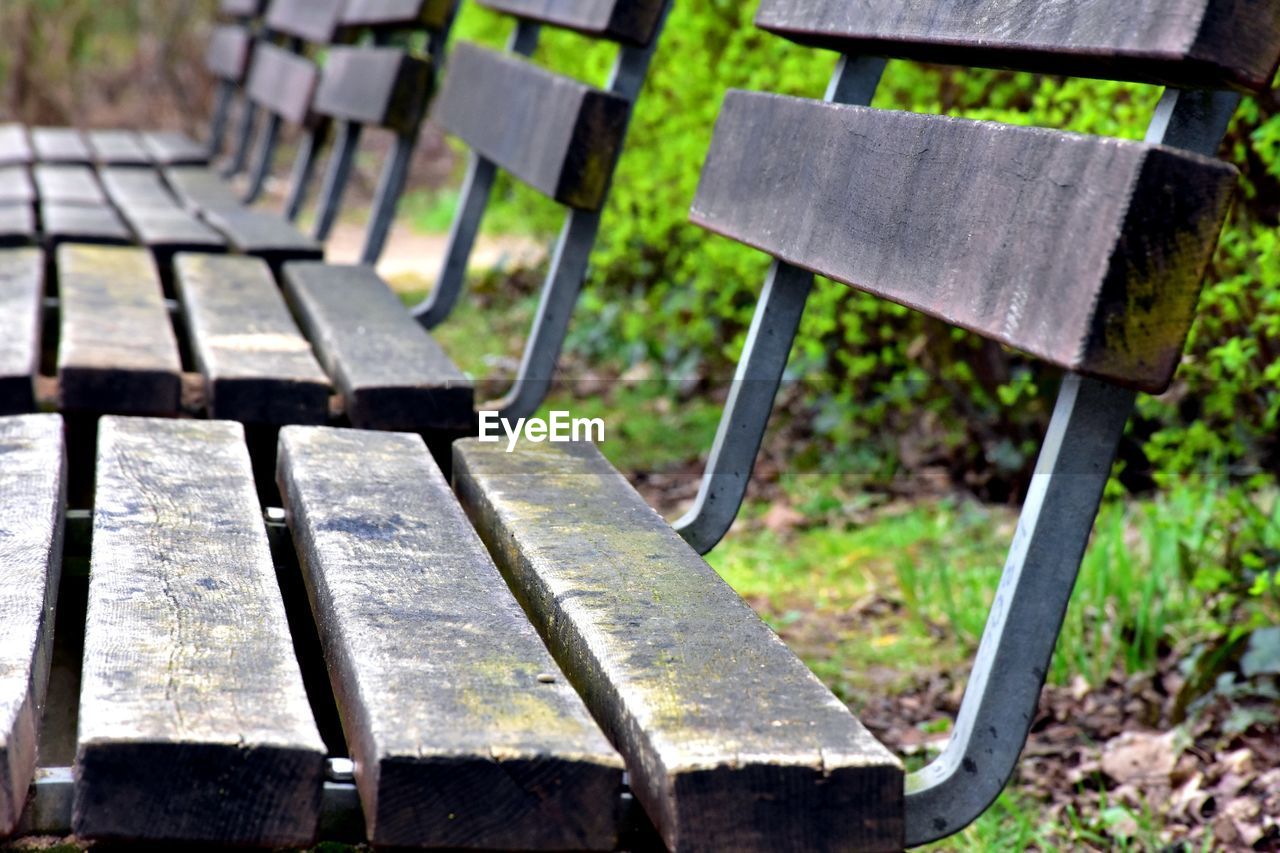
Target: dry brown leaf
x=1140 y=757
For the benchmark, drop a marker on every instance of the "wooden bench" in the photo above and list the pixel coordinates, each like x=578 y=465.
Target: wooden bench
x=241 y=688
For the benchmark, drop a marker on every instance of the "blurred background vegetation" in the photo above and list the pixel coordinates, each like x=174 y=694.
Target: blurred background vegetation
x=899 y=446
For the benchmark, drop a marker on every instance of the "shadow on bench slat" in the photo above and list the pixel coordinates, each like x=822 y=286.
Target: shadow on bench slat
x=194 y=724
x=731 y=742
x=463 y=731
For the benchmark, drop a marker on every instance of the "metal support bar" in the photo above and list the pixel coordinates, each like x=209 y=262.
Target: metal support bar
x=244 y=138
x=304 y=167
x=264 y=158
x=569 y=263
x=476 y=190
x=764 y=358
x=394 y=175
x=336 y=177
x=218 y=121
x=1031 y=602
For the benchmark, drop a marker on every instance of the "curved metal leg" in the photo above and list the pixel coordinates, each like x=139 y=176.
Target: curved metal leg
x=336 y=178
x=304 y=167
x=218 y=122
x=391 y=185
x=264 y=159
x=440 y=303
x=244 y=139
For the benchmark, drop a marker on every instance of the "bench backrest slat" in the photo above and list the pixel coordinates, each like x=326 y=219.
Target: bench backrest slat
x=1039 y=245
x=228 y=55
x=385 y=87
x=631 y=21
x=554 y=133
x=376 y=14
x=282 y=82
x=241 y=8
x=314 y=21
x=1189 y=43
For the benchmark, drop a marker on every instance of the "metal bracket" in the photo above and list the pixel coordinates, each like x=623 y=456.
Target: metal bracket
x=1026 y=617
x=764 y=358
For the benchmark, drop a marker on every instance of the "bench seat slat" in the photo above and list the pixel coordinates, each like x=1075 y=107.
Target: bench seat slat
x=200 y=188
x=136 y=189
x=282 y=82
x=630 y=21
x=1076 y=249
x=398 y=14
x=15 y=146
x=264 y=235
x=554 y=133
x=16 y=186
x=1188 y=43
x=678 y=669
x=118 y=352
x=21 y=320
x=194 y=723
x=17 y=225
x=118 y=148
x=68 y=184
x=78 y=223
x=381 y=87
x=391 y=372
x=257 y=366
x=463 y=730
x=60 y=145
x=314 y=21
x=31 y=517
x=173 y=148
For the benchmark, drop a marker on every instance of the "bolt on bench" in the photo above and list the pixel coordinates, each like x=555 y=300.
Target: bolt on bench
x=197 y=723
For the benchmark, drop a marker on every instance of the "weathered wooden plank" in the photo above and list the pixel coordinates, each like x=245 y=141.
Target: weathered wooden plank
x=314 y=21
x=200 y=188
x=264 y=235
x=1195 y=43
x=282 y=82
x=378 y=86
x=21 y=319
x=118 y=352
x=227 y=57
x=398 y=14
x=32 y=478
x=136 y=189
x=78 y=223
x=554 y=133
x=168 y=231
x=17 y=225
x=172 y=148
x=463 y=731
x=1085 y=251
x=631 y=21
x=68 y=184
x=241 y=8
x=16 y=186
x=391 y=373
x=257 y=366
x=118 y=148
x=15 y=146
x=194 y=723
x=731 y=743
x=60 y=145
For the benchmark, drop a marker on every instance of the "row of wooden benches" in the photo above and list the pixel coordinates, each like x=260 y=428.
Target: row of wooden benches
x=476 y=718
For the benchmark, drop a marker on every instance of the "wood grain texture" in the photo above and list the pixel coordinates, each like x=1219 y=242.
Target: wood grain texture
x=314 y=21
x=15 y=146
x=227 y=56
x=257 y=367
x=117 y=352
x=21 y=321
x=1190 y=43
x=559 y=136
x=730 y=741
x=630 y=21
x=32 y=484
x=464 y=732
x=168 y=231
x=136 y=189
x=1085 y=251
x=78 y=223
x=16 y=186
x=391 y=373
x=379 y=86
x=282 y=82
x=398 y=14
x=68 y=184
x=194 y=723
x=200 y=188
x=17 y=225
x=118 y=148
x=264 y=235
x=172 y=148
x=60 y=145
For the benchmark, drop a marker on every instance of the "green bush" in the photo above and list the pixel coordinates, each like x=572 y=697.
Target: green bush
x=884 y=384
